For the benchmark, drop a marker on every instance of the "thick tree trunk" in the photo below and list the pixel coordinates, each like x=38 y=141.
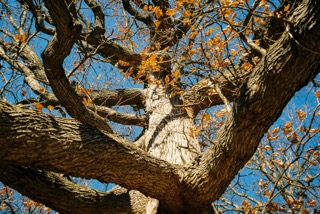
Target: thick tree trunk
x=169 y=135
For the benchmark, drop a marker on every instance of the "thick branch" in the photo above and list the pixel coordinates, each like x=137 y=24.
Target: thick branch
x=98 y=16
x=67 y=31
x=42 y=187
x=119 y=97
x=286 y=68
x=204 y=96
x=30 y=138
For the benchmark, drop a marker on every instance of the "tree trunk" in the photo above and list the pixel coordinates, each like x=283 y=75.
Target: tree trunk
x=169 y=137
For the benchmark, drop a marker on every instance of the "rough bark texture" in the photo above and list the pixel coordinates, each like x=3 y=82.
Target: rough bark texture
x=170 y=169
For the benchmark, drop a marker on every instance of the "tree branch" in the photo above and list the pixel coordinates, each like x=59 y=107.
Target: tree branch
x=42 y=187
x=30 y=138
x=98 y=16
x=287 y=68
x=67 y=32
x=145 y=19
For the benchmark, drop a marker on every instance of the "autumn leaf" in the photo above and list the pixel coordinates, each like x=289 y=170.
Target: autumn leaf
x=272 y=206
x=23 y=93
x=86 y=101
x=301 y=114
x=312 y=202
x=317 y=93
x=221 y=113
x=123 y=63
x=157 y=23
x=275 y=130
x=246 y=66
x=208 y=33
x=171 y=12
x=50 y=107
x=38 y=106
x=176 y=74
x=267 y=147
x=186 y=13
x=286 y=8
x=308 y=177
x=287 y=128
x=157 y=11
x=233 y=52
x=21 y=38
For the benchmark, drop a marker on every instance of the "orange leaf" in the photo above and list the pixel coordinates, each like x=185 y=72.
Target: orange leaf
x=318 y=93
x=171 y=12
x=246 y=66
x=38 y=106
x=23 y=93
x=50 y=107
x=86 y=101
x=286 y=8
x=301 y=114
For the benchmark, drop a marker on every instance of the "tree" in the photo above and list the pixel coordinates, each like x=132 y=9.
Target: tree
x=241 y=61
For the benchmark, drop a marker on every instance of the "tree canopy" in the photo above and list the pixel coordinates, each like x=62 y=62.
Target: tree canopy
x=167 y=99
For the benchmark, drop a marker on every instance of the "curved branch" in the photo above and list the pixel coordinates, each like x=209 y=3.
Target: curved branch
x=286 y=68
x=42 y=187
x=113 y=52
x=67 y=32
x=39 y=15
x=131 y=96
x=30 y=138
x=202 y=96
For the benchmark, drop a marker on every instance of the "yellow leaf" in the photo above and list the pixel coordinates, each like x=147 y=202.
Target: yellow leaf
x=193 y=34
x=167 y=80
x=233 y=52
x=171 y=12
x=157 y=23
x=157 y=11
x=301 y=114
x=50 y=107
x=123 y=63
x=208 y=33
x=145 y=7
x=176 y=74
x=286 y=8
x=246 y=66
x=186 y=13
x=221 y=113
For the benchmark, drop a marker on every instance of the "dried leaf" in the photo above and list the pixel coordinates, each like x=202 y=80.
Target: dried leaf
x=38 y=106
x=86 y=101
x=301 y=114
x=50 y=107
